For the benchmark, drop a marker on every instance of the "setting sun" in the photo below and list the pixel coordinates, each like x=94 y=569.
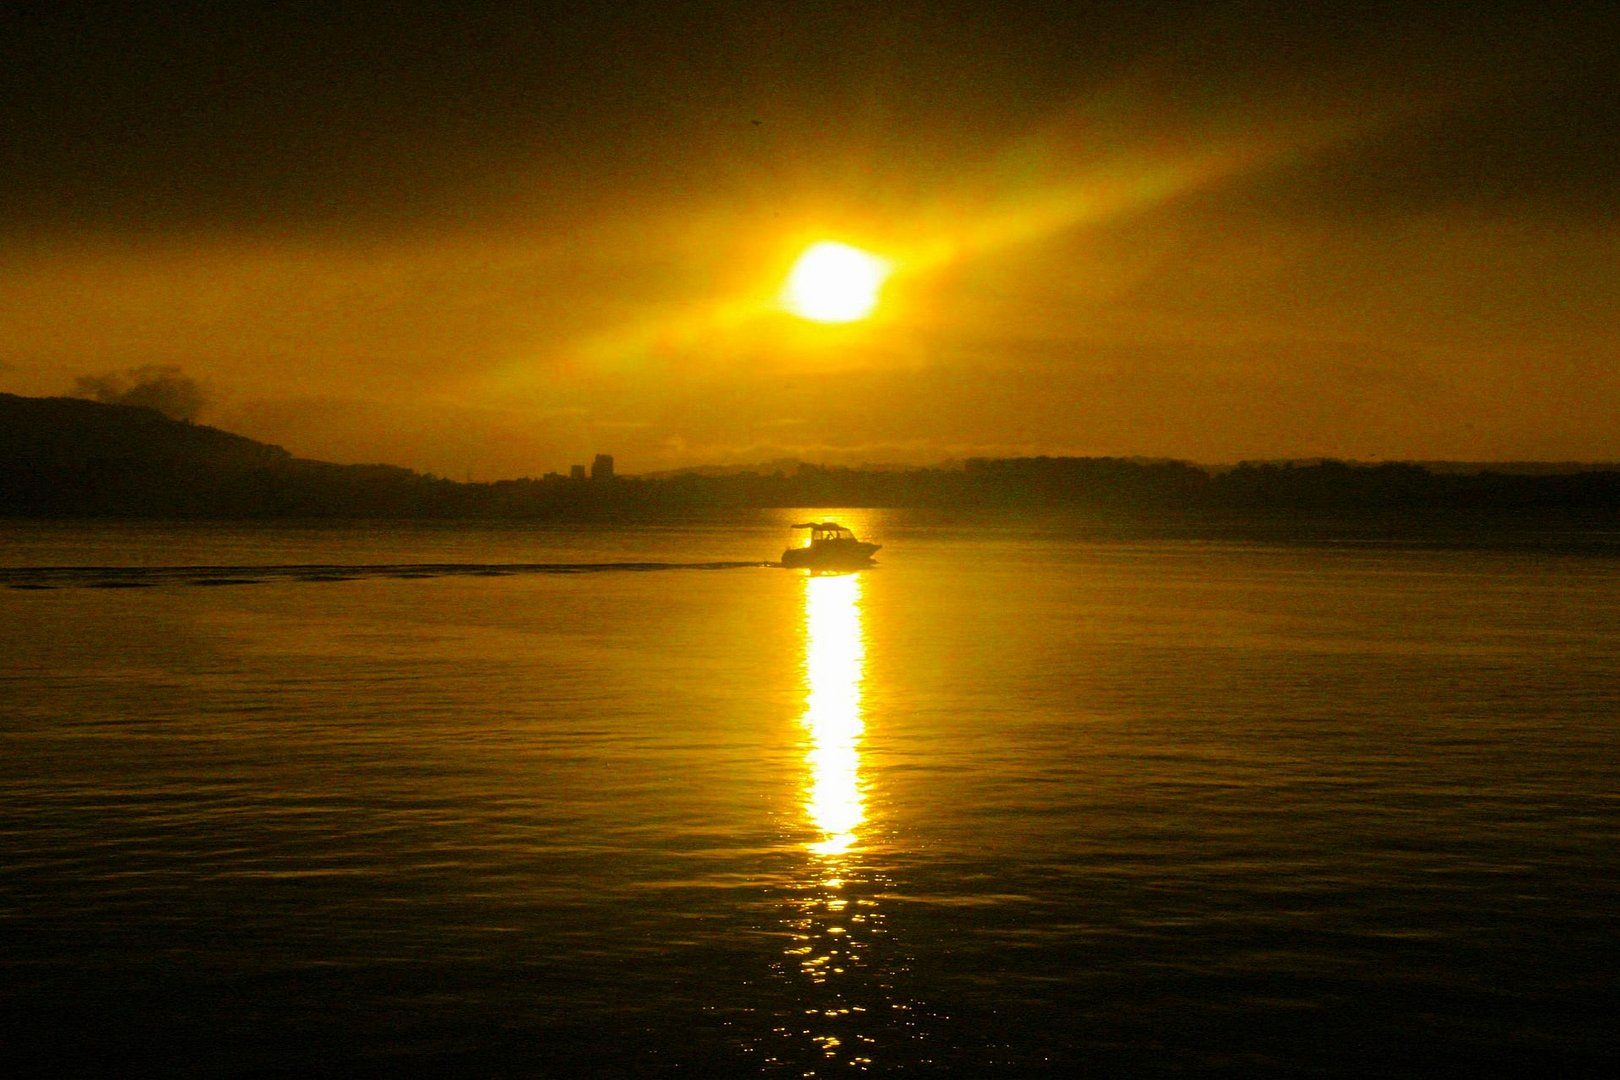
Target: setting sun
x=834 y=283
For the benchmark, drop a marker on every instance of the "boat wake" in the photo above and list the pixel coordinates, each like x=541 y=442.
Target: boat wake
x=145 y=577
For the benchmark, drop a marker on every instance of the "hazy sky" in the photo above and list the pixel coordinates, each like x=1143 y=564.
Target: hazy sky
x=493 y=242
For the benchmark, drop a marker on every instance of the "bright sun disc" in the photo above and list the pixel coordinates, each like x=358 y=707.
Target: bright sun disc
x=834 y=283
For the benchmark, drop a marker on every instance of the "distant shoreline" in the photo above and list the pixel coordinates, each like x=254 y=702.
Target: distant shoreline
x=70 y=459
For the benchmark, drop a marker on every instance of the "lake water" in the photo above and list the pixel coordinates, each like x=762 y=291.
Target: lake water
x=514 y=801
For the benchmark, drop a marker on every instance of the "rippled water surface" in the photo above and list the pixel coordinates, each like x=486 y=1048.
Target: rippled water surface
x=529 y=802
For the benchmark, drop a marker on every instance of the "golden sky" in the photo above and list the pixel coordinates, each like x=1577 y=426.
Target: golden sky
x=493 y=245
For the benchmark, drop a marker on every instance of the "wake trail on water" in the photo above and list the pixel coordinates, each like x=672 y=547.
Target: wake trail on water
x=143 y=577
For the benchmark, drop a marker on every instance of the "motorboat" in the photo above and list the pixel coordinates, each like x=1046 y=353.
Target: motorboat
x=831 y=547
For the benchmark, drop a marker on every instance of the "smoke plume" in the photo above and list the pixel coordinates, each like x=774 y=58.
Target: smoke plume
x=156 y=386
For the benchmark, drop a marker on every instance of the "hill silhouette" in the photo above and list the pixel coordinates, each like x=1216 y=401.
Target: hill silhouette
x=66 y=457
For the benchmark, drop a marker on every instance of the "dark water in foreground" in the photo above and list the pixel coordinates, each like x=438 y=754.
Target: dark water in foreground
x=436 y=801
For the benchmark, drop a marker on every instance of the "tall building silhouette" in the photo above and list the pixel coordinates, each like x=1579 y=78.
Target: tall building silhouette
x=602 y=467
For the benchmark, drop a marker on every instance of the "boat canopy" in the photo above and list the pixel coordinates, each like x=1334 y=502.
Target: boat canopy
x=825 y=529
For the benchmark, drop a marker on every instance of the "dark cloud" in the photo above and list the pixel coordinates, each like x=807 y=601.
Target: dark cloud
x=163 y=387
x=160 y=115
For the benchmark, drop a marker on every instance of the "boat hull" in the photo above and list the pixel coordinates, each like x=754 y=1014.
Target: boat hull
x=830 y=556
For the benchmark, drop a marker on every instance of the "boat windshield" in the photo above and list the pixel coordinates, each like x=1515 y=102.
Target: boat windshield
x=825 y=530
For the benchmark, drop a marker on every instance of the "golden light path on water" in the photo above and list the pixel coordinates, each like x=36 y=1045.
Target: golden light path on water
x=835 y=662
x=835 y=926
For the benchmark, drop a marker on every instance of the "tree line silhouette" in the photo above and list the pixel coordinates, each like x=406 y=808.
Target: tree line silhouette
x=71 y=458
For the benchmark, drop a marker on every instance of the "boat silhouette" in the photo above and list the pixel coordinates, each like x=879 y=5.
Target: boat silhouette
x=831 y=547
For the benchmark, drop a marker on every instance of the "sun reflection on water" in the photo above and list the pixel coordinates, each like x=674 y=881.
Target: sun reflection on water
x=834 y=922
x=835 y=665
